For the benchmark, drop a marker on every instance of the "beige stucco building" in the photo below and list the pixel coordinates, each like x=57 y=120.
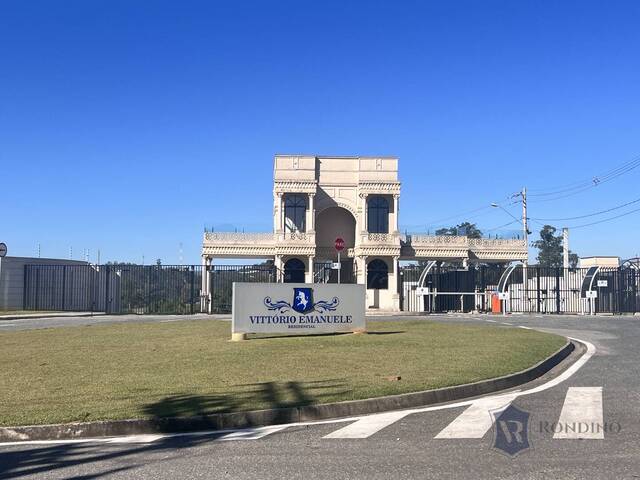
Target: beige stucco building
x=317 y=199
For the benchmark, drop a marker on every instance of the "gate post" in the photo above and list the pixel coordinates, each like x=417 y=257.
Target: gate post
x=107 y=301
x=193 y=279
x=557 y=289
x=64 y=283
x=538 y=287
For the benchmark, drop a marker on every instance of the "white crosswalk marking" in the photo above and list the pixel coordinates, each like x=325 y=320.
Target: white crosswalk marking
x=581 y=415
x=476 y=420
x=252 y=433
x=367 y=426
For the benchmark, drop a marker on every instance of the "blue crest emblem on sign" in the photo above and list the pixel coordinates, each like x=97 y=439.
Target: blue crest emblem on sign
x=302 y=300
x=302 y=303
x=511 y=431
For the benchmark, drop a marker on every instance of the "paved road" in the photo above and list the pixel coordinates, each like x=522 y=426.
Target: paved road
x=31 y=323
x=452 y=442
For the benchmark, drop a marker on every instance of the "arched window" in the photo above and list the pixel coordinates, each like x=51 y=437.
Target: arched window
x=377 y=275
x=378 y=215
x=294 y=271
x=295 y=210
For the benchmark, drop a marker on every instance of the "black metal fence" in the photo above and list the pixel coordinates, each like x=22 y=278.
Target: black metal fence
x=529 y=290
x=144 y=289
x=118 y=288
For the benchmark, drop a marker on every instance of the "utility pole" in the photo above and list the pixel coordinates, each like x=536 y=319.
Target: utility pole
x=525 y=223
x=525 y=233
x=565 y=247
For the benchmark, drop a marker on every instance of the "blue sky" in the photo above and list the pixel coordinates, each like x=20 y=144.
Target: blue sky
x=126 y=126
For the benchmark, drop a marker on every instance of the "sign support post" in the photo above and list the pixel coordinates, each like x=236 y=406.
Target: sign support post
x=339 y=244
x=3 y=252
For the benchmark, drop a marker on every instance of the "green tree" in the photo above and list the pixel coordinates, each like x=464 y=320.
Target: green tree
x=550 y=249
x=472 y=231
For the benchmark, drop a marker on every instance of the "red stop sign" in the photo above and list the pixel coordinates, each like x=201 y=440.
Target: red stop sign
x=339 y=244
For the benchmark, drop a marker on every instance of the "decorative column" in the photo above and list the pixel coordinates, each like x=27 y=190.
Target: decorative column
x=394 y=283
x=279 y=271
x=278 y=213
x=203 y=285
x=396 y=206
x=208 y=274
x=311 y=214
x=309 y=275
x=361 y=265
x=363 y=221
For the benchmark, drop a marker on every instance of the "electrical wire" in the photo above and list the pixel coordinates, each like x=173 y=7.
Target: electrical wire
x=605 y=219
x=617 y=207
x=501 y=226
x=577 y=187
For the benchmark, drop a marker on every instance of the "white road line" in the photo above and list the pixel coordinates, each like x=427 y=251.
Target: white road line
x=591 y=350
x=492 y=321
x=224 y=435
x=252 y=433
x=476 y=420
x=581 y=415
x=526 y=328
x=367 y=426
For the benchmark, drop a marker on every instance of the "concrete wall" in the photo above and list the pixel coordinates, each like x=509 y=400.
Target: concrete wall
x=12 y=278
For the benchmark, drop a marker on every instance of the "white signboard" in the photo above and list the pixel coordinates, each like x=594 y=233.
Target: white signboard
x=422 y=291
x=503 y=295
x=592 y=294
x=603 y=283
x=298 y=308
x=336 y=265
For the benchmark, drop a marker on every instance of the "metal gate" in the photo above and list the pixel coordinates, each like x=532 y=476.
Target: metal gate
x=323 y=273
x=221 y=278
x=450 y=288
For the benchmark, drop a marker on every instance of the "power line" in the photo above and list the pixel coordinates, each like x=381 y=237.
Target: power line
x=617 y=207
x=577 y=187
x=501 y=226
x=606 y=219
x=459 y=215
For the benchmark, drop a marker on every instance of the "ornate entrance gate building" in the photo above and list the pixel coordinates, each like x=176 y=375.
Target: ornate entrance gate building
x=317 y=199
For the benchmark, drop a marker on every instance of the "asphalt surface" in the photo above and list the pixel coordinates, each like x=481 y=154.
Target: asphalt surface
x=406 y=448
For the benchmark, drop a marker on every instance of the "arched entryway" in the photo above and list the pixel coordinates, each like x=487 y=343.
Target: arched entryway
x=331 y=223
x=294 y=271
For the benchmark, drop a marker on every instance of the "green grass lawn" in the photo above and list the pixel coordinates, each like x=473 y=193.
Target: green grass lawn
x=189 y=367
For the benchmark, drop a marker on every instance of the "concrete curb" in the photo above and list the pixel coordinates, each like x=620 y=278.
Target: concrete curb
x=285 y=415
x=36 y=316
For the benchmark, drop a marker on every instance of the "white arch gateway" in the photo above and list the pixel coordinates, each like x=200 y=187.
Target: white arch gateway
x=318 y=198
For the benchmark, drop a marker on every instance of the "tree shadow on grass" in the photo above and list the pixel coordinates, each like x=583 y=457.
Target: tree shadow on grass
x=242 y=398
x=91 y=460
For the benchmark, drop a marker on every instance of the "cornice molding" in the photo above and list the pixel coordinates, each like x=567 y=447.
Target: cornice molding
x=295 y=186
x=379 y=187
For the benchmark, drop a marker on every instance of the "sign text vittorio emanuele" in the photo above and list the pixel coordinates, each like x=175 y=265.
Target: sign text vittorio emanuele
x=297 y=308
